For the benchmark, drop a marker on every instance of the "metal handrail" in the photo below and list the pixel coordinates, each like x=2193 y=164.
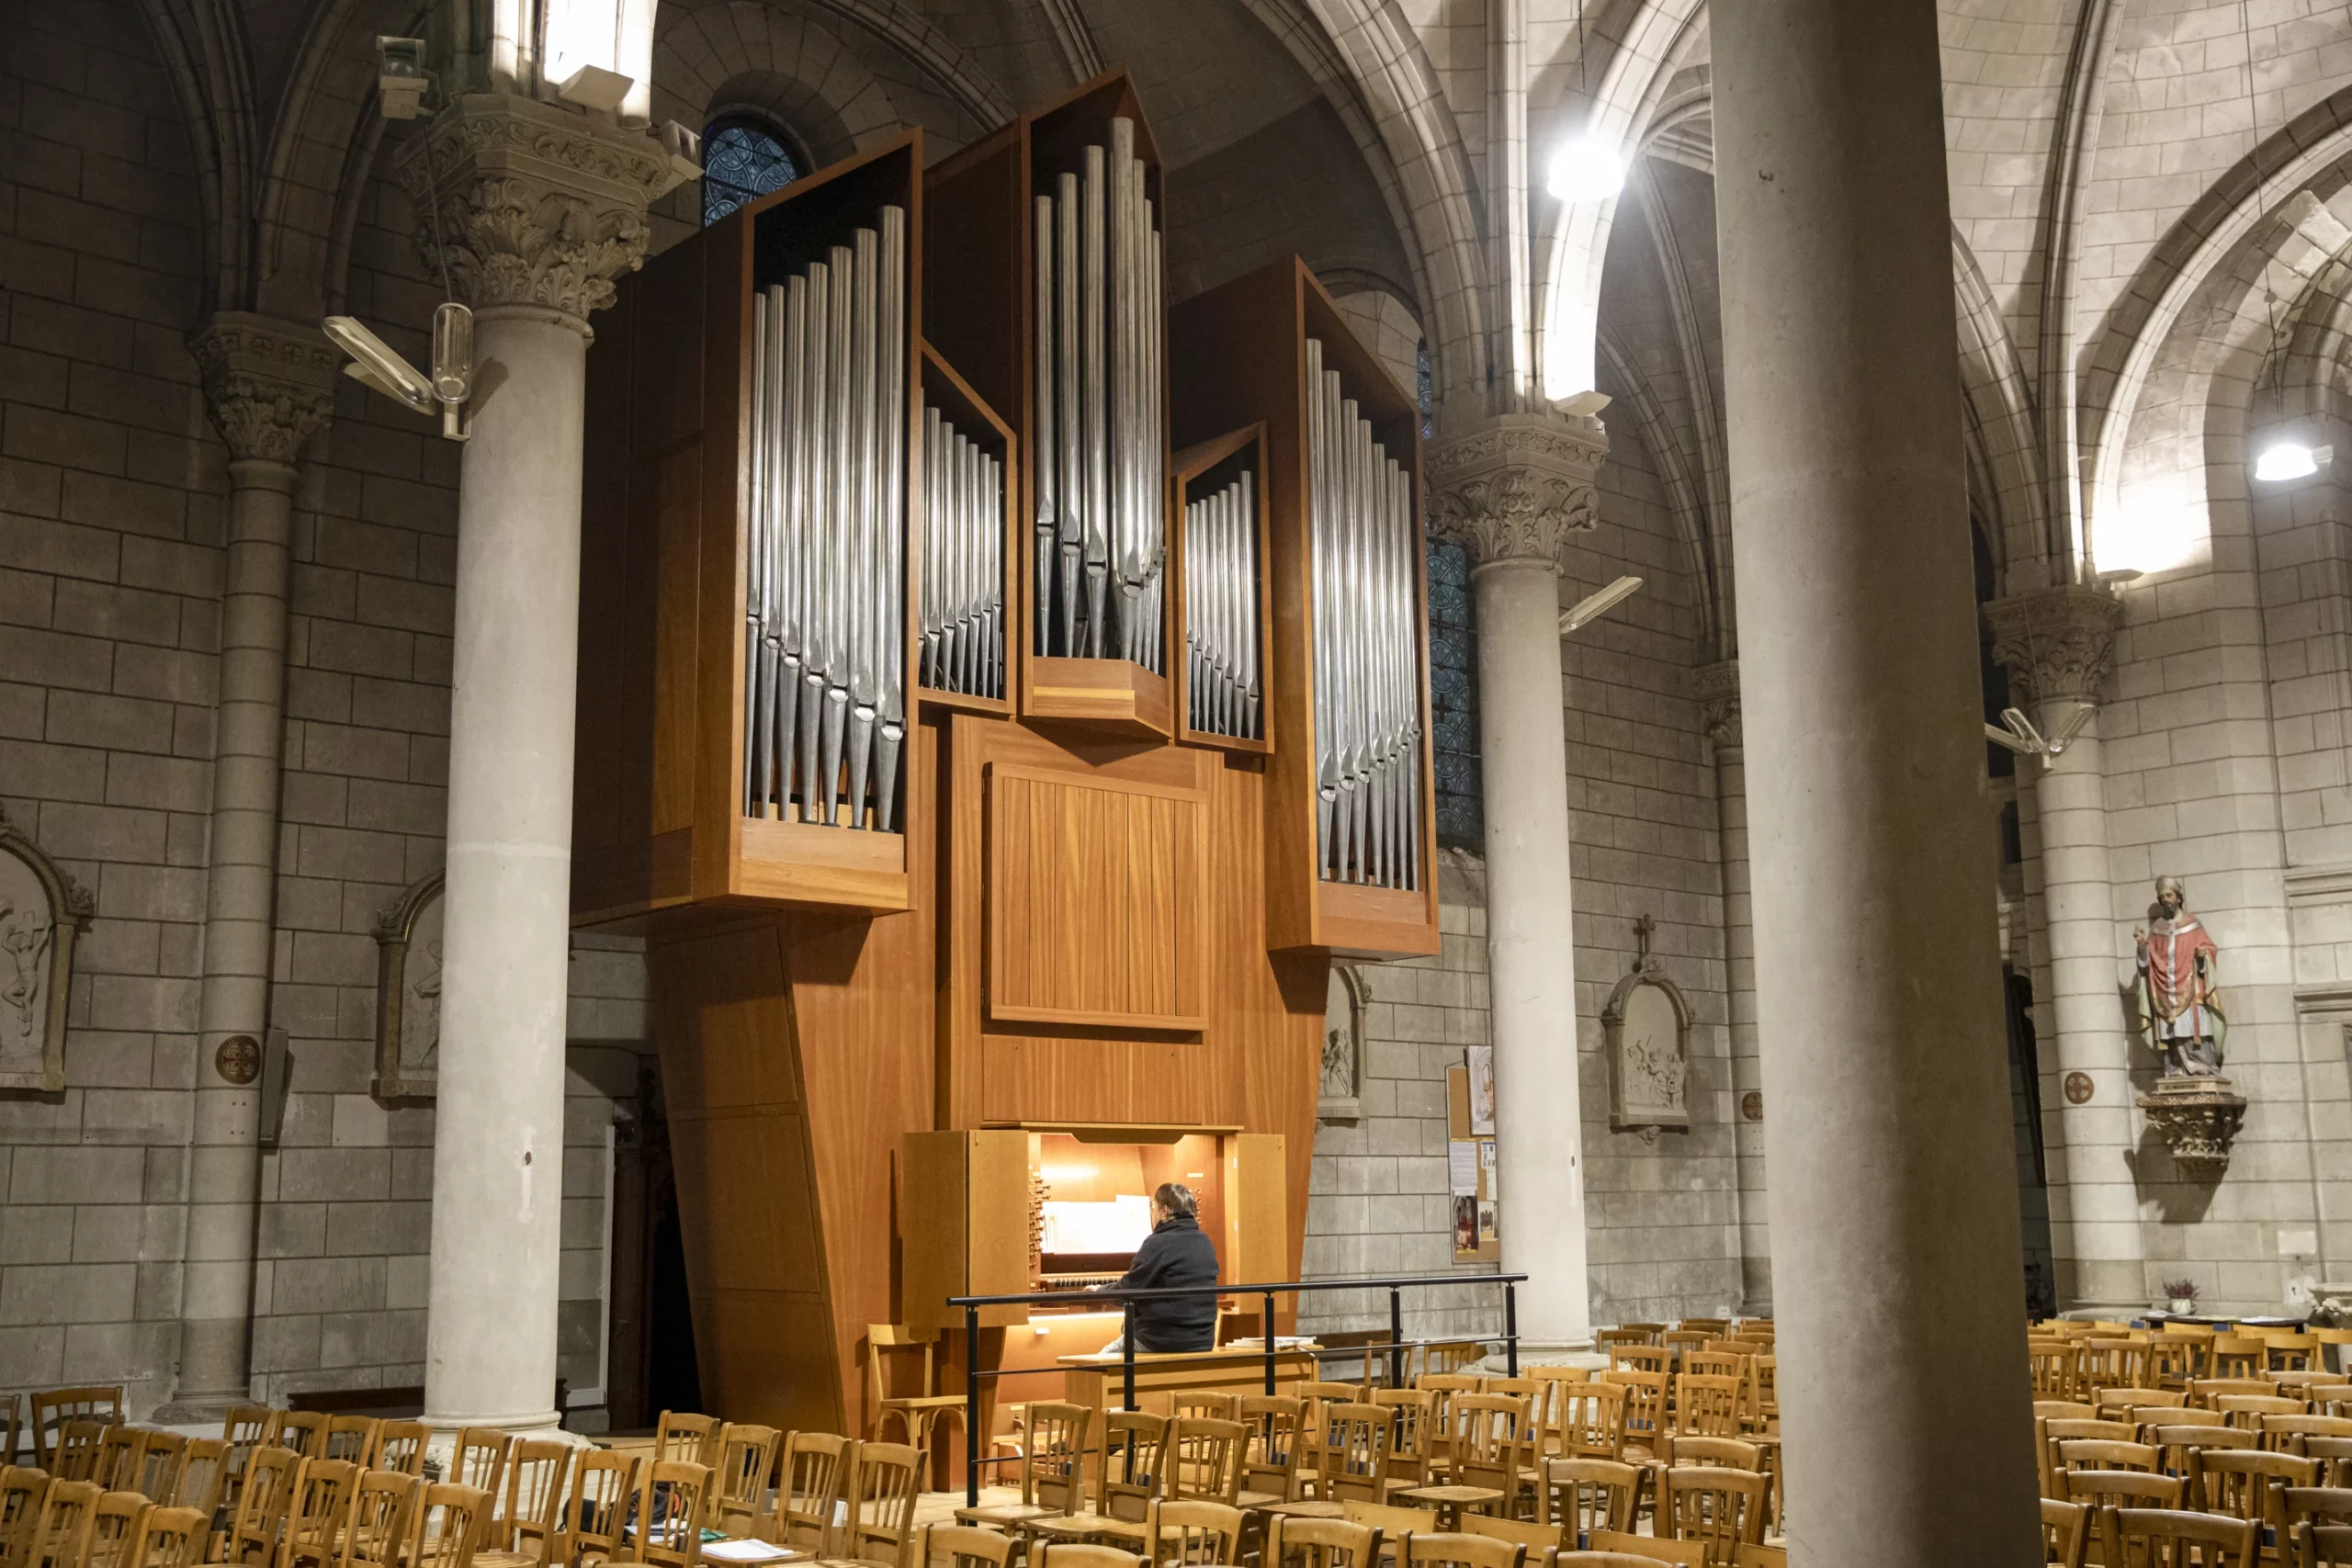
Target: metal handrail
x=1127 y=1296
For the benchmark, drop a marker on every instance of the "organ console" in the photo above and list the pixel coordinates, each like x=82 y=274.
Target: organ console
x=991 y=780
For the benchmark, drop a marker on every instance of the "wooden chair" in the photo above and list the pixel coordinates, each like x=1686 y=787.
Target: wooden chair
x=383 y=1519
x=1412 y=1435
x=203 y=1478
x=1274 y=1469
x=68 y=1515
x=1708 y=1407
x=1192 y=1533
x=1355 y=1454
x=1206 y=1404
x=321 y=1503
x=15 y=1429
x=1592 y=1420
x=1053 y=1468
x=2099 y=1453
x=2114 y=1363
x=173 y=1537
x=2181 y=1445
x=2288 y=1350
x=2174 y=1360
x=264 y=1499
x=1755 y=1556
x=304 y=1431
x=1582 y=1495
x=1319 y=1543
x=2054 y=1433
x=1488 y=1440
x=2334 y=1455
x=400 y=1447
x=1394 y=1523
x=1079 y=1554
x=1722 y=1509
x=2247 y=1410
x=1645 y=1418
x=596 y=1522
x=815 y=1482
x=2107 y=1401
x=1542 y=1542
x=686 y=1438
x=116 y=1465
x=2120 y=1488
x=2239 y=1356
x=117 y=1520
x=1651 y=1550
x=965 y=1546
x=746 y=1459
x=352 y=1440
x=879 y=1529
x=1204 y=1456
x=916 y=1413
x=1444 y=1388
x=1640 y=1359
x=24 y=1488
x=2205 y=1390
x=1731 y=1453
x=2244 y=1483
x=156 y=1473
x=74 y=1456
x=1459 y=1550
x=2164 y=1538
x=478 y=1460
x=2323 y=1546
x=2305 y=1507
x=53 y=1408
x=1451 y=1355
x=2066 y=1532
x=449 y=1524
x=672 y=1506
x=528 y=1525
x=2287 y=1434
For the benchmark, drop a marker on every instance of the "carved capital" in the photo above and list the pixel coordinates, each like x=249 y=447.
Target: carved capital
x=1718 y=691
x=2058 y=642
x=1515 y=487
x=267 y=384
x=525 y=203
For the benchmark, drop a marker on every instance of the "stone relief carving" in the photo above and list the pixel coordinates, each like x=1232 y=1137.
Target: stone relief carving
x=41 y=912
x=1717 y=688
x=1341 y=1099
x=408 y=993
x=2058 y=642
x=267 y=384
x=1516 y=488
x=1647 y=1027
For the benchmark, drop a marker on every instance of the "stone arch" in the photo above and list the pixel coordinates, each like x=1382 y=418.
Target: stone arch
x=1709 y=552
x=201 y=47
x=739 y=56
x=2004 y=446
x=1388 y=327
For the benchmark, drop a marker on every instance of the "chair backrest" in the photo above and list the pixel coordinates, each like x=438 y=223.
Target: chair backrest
x=2066 y=1532
x=815 y=1480
x=449 y=1525
x=2181 y=1445
x=352 y=1440
x=1592 y=1420
x=1205 y=1460
x=2116 y=1488
x=1413 y=1437
x=1320 y=1543
x=2108 y=1399
x=383 y=1519
x=594 y=1521
x=399 y=1444
x=1585 y=1494
x=881 y=1340
x=322 y=1503
x=115 y=1521
x=2242 y=1482
x=73 y=1451
x=173 y=1537
x=2334 y=1455
x=966 y=1546
x=531 y=1516
x=2114 y=1363
x=1641 y=1358
x=2162 y=1538
x=2315 y=1506
x=23 y=1490
x=1135 y=1450
x=203 y=1478
x=1535 y=1391
x=117 y=1464
x=1205 y=1403
x=2323 y=1546
x=156 y=1474
x=1732 y=1453
x=14 y=1428
x=2052 y=1364
x=1194 y=1532
x=478 y=1460
x=1460 y=1550
x=1539 y=1539
x=1719 y=1509
x=1391 y=1521
x=746 y=1461
x=68 y=1513
x=1651 y=1549
x=1355 y=1453
x=1276 y=1461
x=2099 y=1453
x=2247 y=1410
x=1490 y=1439
x=1084 y=1554
x=1644 y=1404
x=1709 y=1406
x=2063 y=1410
x=686 y=1437
x=1053 y=1460
x=2238 y=1356
x=53 y=1408
x=672 y=1506
x=263 y=1497
x=2288 y=1433
x=881 y=1526
x=304 y=1431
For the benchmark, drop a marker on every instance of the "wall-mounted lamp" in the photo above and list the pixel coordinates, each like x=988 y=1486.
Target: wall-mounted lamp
x=1585 y=169
x=2290 y=460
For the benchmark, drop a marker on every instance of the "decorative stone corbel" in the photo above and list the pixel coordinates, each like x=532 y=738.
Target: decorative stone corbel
x=2058 y=642
x=1515 y=487
x=2198 y=1117
x=1717 y=686
x=268 y=384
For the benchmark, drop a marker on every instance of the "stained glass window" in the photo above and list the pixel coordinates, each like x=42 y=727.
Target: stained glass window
x=1429 y=425
x=1453 y=698
x=742 y=158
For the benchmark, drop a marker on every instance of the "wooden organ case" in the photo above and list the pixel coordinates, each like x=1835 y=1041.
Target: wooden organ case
x=1050 y=918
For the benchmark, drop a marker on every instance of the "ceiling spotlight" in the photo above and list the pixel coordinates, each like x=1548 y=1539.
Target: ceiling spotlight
x=377 y=365
x=1585 y=169
x=401 y=77
x=1593 y=606
x=2289 y=460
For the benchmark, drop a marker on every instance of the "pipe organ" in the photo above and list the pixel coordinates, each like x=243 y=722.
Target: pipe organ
x=991 y=778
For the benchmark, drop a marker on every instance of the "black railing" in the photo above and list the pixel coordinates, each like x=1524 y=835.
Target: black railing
x=1394 y=1348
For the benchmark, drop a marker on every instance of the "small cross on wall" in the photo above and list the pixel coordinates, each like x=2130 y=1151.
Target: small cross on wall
x=1643 y=929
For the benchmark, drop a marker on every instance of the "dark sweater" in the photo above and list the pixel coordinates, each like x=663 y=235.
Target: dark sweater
x=1177 y=1252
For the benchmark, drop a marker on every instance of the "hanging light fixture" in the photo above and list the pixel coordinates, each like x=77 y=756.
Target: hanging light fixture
x=1585 y=168
x=2287 y=459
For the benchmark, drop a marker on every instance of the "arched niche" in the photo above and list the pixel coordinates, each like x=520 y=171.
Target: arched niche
x=1647 y=1027
x=408 y=993
x=41 y=912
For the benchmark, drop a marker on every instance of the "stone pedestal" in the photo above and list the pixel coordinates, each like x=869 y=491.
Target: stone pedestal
x=268 y=385
x=1513 y=490
x=2198 y=1117
x=2058 y=645
x=539 y=210
x=1896 y=1267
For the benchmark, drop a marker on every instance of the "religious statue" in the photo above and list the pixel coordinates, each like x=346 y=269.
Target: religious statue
x=2179 y=966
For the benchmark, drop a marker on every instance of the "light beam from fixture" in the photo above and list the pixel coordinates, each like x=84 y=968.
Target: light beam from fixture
x=1585 y=169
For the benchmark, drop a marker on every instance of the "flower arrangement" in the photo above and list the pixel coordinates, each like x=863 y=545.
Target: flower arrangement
x=2181 y=1294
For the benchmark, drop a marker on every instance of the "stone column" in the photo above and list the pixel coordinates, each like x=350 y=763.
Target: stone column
x=1719 y=694
x=539 y=209
x=268 y=385
x=1513 y=488
x=1904 y=1408
x=2060 y=644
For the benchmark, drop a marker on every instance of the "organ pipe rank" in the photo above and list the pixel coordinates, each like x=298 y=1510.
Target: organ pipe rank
x=1367 y=641
x=1221 y=611
x=1101 y=523
x=963 y=563
x=824 y=609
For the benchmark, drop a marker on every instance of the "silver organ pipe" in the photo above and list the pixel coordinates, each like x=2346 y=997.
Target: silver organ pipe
x=1099 y=298
x=824 y=600
x=1366 y=639
x=1221 y=611
x=963 y=552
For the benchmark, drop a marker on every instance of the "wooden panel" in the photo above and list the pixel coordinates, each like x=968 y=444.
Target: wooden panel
x=1095 y=894
x=933 y=1234
x=998 y=1177
x=1095 y=1082
x=1108 y=695
x=1257 y=1206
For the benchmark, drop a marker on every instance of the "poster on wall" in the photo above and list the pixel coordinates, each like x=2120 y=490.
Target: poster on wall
x=1470 y=1168
x=1462 y=1167
x=1482 y=1090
